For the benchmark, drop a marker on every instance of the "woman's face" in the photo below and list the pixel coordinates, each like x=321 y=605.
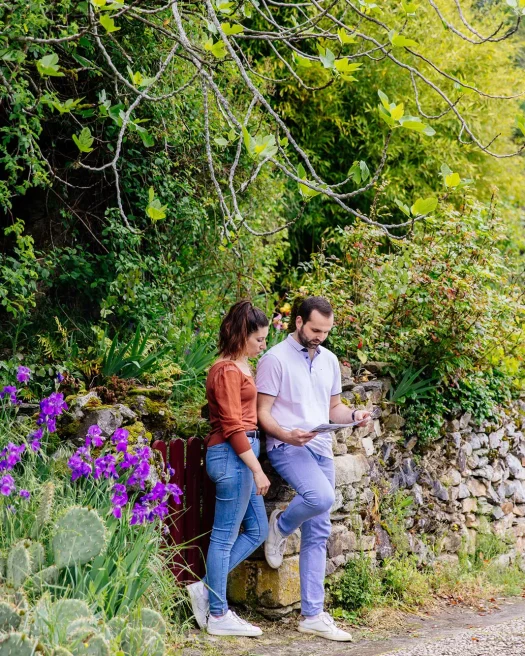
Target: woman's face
x=256 y=343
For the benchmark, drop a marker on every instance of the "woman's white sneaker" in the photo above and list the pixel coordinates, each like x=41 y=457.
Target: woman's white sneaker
x=275 y=542
x=323 y=626
x=232 y=625
x=200 y=602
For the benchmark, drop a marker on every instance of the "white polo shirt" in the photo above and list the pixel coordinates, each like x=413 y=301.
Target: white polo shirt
x=302 y=388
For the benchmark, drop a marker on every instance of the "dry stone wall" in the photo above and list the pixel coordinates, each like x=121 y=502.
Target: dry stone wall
x=470 y=481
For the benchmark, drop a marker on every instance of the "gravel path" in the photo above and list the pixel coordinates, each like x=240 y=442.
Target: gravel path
x=504 y=639
x=496 y=630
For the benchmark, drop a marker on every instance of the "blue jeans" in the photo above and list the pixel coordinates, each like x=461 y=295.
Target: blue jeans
x=236 y=504
x=313 y=478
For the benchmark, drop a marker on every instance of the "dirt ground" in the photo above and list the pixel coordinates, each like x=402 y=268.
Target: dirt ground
x=396 y=632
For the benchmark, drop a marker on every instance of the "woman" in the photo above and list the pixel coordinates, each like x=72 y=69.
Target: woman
x=231 y=463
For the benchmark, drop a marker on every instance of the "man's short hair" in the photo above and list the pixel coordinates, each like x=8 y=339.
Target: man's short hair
x=303 y=307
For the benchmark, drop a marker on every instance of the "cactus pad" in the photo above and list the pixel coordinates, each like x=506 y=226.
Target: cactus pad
x=52 y=619
x=18 y=565
x=142 y=642
x=37 y=554
x=62 y=651
x=80 y=536
x=16 y=644
x=152 y=620
x=45 y=509
x=9 y=618
x=3 y=567
x=87 y=642
x=47 y=576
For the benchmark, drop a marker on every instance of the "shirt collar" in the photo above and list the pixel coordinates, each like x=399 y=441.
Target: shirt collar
x=300 y=347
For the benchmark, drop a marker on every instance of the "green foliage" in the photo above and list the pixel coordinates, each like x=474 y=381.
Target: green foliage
x=359 y=586
x=131 y=359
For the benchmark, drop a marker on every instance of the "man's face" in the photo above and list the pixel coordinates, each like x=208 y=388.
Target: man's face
x=315 y=330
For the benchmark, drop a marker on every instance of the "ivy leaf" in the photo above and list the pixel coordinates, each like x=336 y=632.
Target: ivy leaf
x=231 y=30
x=155 y=210
x=221 y=141
x=397 y=112
x=84 y=140
x=452 y=180
x=384 y=100
x=99 y=3
x=400 y=41
x=48 y=66
x=344 y=37
x=265 y=146
x=344 y=66
x=249 y=141
x=302 y=61
x=305 y=191
x=283 y=142
x=224 y=7
x=363 y=357
x=147 y=140
x=66 y=107
x=445 y=170
x=217 y=49
x=409 y=8
x=424 y=206
x=416 y=124
x=326 y=56
x=404 y=208
x=359 y=172
x=108 y=24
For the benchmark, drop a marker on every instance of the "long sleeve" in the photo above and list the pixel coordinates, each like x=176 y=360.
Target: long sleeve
x=227 y=391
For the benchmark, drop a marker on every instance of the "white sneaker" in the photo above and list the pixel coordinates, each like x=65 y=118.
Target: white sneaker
x=200 y=602
x=324 y=626
x=275 y=542
x=231 y=624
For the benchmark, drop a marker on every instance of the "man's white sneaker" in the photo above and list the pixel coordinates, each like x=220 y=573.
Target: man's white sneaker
x=200 y=602
x=275 y=542
x=324 y=626
x=232 y=625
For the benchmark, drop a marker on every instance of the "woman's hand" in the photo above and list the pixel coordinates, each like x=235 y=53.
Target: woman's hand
x=261 y=482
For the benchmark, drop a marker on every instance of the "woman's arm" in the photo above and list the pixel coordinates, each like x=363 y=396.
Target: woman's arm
x=261 y=480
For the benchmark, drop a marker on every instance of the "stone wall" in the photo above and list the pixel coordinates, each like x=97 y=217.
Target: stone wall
x=472 y=480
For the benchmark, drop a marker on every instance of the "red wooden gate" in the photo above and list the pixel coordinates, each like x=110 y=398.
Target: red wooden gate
x=191 y=521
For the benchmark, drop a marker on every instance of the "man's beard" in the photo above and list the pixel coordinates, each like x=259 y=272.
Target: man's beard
x=307 y=343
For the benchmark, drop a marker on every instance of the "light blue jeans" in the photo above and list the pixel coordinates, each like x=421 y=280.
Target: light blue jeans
x=313 y=478
x=236 y=505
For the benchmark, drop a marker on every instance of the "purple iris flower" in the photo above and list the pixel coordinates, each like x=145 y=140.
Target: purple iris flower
x=161 y=510
x=7 y=485
x=120 y=438
x=50 y=408
x=25 y=494
x=10 y=391
x=139 y=514
x=129 y=460
x=140 y=474
x=175 y=491
x=94 y=436
x=60 y=377
x=105 y=466
x=78 y=466
x=119 y=499
x=23 y=374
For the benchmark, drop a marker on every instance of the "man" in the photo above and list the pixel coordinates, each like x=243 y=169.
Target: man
x=299 y=388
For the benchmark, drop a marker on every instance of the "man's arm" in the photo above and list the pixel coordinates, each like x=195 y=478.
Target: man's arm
x=296 y=437
x=342 y=414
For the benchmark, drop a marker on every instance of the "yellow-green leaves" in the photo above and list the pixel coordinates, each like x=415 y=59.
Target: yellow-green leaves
x=231 y=30
x=305 y=191
x=359 y=172
x=400 y=41
x=520 y=123
x=421 y=207
x=155 y=210
x=217 y=49
x=409 y=8
x=517 y=5
x=345 y=68
x=452 y=179
x=84 y=140
x=326 y=56
x=108 y=24
x=344 y=37
x=62 y=107
x=138 y=79
x=225 y=7
x=225 y=141
x=302 y=61
x=260 y=147
x=395 y=117
x=48 y=66
x=424 y=206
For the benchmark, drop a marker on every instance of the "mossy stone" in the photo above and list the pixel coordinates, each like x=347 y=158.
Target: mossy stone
x=154 y=393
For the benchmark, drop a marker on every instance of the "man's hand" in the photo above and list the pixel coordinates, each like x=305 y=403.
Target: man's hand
x=364 y=415
x=298 y=437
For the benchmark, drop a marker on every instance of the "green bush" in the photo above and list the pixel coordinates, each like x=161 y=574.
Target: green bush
x=359 y=586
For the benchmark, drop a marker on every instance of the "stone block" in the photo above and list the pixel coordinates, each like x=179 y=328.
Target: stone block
x=476 y=488
x=471 y=521
x=350 y=469
x=366 y=542
x=519 y=529
x=507 y=507
x=451 y=477
x=470 y=505
x=394 y=422
x=254 y=581
x=464 y=492
x=368 y=446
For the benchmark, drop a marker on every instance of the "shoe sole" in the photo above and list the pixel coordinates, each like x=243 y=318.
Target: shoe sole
x=266 y=555
x=324 y=635
x=241 y=634
x=194 y=607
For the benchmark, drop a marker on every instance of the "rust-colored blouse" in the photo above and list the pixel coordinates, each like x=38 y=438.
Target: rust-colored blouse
x=232 y=402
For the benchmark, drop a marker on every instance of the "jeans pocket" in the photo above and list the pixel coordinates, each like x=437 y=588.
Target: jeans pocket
x=217 y=461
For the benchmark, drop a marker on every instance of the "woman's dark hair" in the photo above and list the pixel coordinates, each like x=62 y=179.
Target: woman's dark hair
x=242 y=320
x=303 y=306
